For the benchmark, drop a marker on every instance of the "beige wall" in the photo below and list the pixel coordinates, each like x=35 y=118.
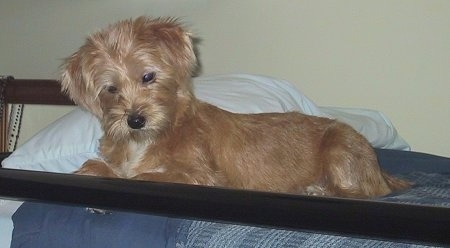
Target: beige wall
x=393 y=56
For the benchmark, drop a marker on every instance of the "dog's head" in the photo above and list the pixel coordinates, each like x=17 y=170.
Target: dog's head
x=134 y=76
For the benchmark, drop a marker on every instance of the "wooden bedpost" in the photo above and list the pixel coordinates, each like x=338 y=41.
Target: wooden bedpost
x=3 y=131
x=3 y=115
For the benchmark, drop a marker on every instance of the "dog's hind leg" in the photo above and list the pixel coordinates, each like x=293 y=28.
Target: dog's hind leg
x=350 y=165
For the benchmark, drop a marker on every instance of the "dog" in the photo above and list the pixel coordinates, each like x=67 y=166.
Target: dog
x=135 y=77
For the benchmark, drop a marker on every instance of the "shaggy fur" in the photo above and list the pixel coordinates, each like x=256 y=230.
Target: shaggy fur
x=135 y=77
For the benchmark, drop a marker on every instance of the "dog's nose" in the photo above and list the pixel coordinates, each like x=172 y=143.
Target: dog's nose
x=136 y=121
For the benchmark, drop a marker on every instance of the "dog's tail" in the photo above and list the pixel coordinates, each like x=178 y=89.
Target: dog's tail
x=396 y=184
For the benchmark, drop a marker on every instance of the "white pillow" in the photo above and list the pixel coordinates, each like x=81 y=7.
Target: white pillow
x=246 y=93
x=62 y=146
x=67 y=143
x=374 y=125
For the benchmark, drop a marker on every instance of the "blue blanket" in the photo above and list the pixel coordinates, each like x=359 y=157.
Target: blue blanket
x=430 y=188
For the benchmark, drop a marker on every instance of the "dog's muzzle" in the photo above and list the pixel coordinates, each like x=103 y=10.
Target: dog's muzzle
x=136 y=121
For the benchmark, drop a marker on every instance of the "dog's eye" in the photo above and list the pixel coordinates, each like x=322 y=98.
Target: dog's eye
x=112 y=89
x=149 y=78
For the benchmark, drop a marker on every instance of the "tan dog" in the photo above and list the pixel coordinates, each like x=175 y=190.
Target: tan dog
x=135 y=76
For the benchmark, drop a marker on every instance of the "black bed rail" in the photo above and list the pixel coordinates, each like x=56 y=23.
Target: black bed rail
x=360 y=218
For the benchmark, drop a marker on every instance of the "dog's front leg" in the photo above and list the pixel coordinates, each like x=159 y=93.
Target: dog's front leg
x=164 y=177
x=175 y=177
x=96 y=168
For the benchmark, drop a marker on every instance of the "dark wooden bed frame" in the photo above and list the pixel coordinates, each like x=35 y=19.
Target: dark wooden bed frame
x=360 y=218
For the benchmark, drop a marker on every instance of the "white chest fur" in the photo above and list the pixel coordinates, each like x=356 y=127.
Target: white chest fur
x=137 y=161
x=134 y=158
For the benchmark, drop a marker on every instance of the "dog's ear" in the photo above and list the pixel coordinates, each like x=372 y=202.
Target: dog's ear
x=77 y=83
x=174 y=41
x=189 y=59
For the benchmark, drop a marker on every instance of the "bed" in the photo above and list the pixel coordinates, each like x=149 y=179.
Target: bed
x=43 y=205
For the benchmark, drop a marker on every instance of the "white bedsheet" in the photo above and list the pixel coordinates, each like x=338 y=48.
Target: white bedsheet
x=7 y=209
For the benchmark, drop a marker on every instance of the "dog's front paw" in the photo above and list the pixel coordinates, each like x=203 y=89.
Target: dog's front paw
x=95 y=168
